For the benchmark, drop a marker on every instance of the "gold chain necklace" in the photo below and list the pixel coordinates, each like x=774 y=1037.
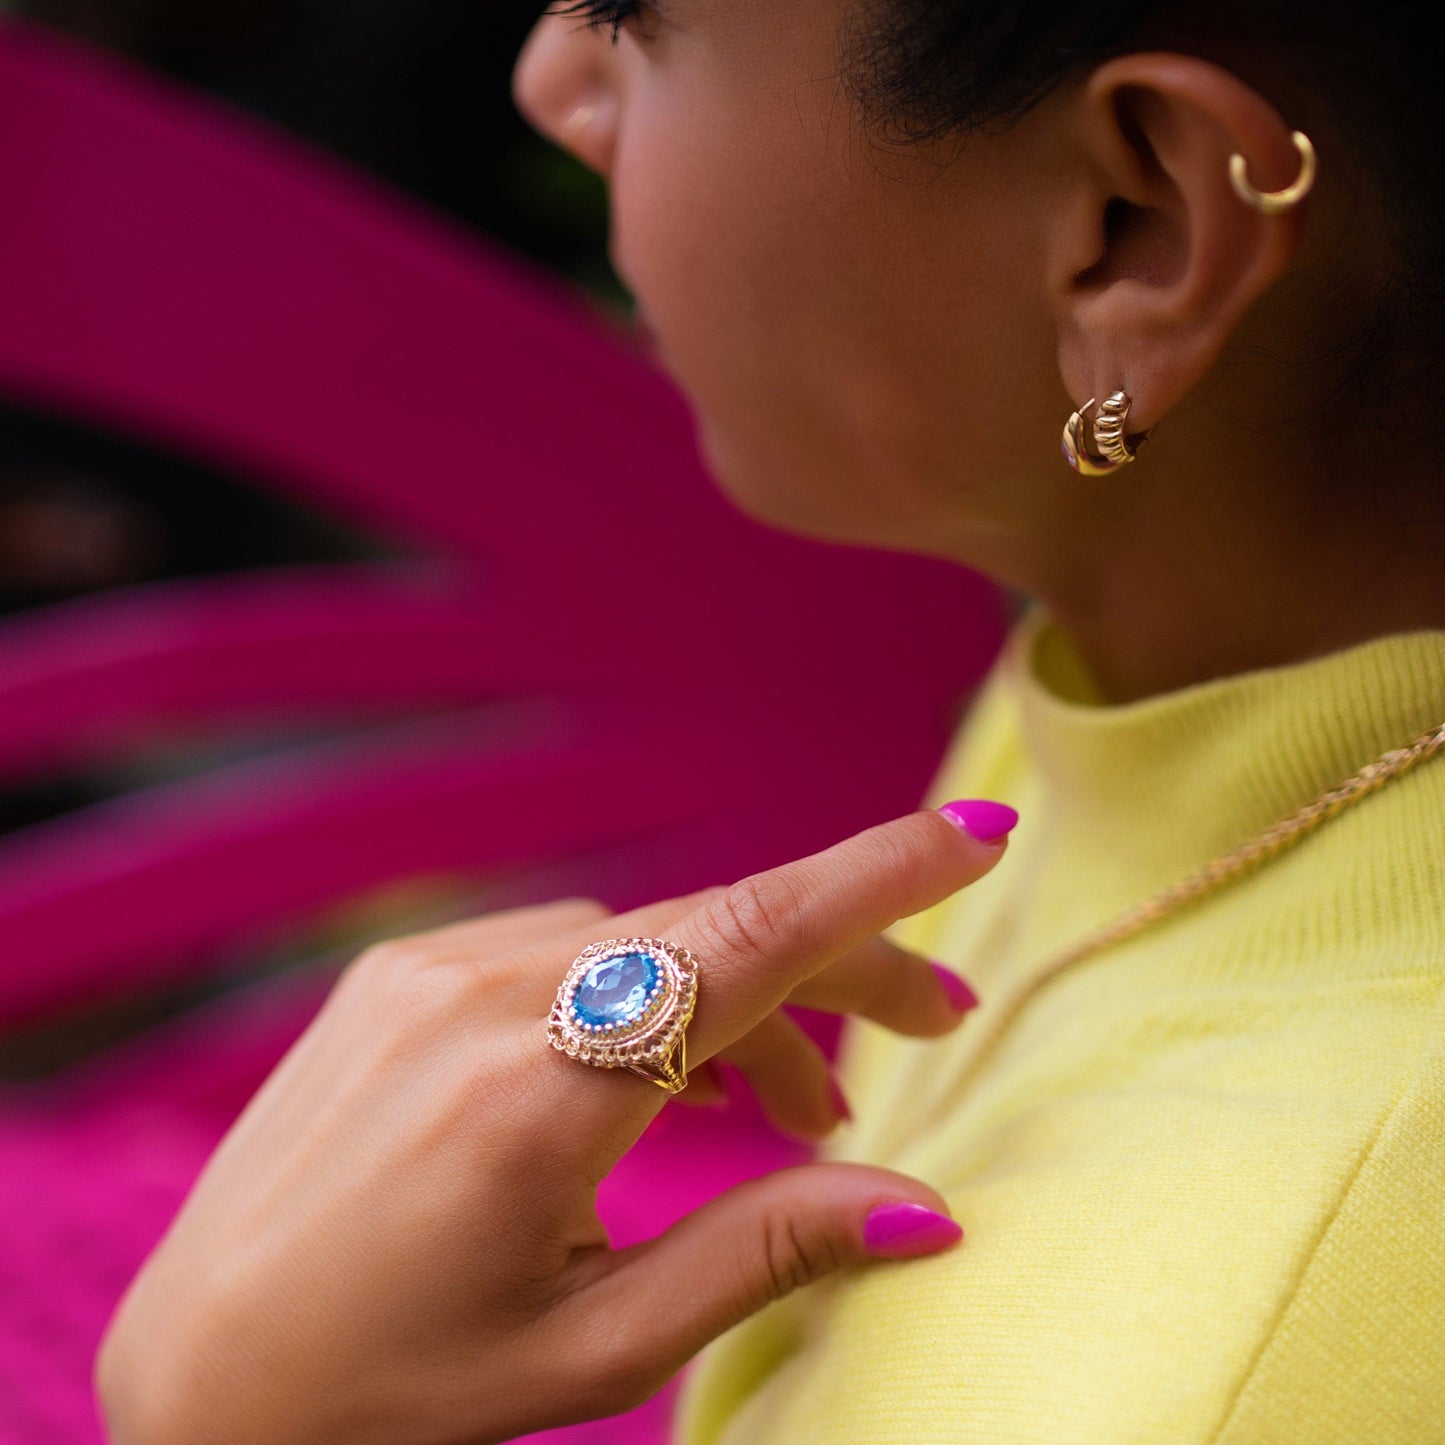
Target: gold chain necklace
x=1219 y=873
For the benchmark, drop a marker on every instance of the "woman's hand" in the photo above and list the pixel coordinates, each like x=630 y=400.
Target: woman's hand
x=398 y=1240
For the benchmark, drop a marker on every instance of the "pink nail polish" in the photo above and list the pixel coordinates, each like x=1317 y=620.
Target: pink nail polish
x=986 y=821
x=840 y=1100
x=960 y=995
x=899 y=1231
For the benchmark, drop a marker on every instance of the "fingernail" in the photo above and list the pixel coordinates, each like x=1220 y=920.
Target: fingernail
x=987 y=822
x=899 y=1231
x=839 y=1099
x=960 y=995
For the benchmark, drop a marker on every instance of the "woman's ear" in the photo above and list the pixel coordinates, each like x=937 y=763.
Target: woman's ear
x=1157 y=258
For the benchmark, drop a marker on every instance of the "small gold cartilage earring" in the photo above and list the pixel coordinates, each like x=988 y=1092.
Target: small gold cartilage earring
x=1113 y=446
x=1275 y=203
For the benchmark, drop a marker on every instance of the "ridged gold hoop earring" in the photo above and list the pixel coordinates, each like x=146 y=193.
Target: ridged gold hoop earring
x=1113 y=446
x=1275 y=203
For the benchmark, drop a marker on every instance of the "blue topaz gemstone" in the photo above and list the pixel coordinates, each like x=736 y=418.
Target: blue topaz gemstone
x=617 y=990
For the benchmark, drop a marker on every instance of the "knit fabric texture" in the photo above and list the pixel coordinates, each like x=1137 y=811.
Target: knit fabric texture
x=1202 y=1173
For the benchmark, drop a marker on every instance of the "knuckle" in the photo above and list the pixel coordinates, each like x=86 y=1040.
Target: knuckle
x=897 y=851
x=374 y=971
x=757 y=915
x=793 y=1256
x=402 y=983
x=580 y=909
x=390 y=958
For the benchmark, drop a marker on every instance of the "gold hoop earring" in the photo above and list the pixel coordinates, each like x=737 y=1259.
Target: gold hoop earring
x=1113 y=446
x=1275 y=203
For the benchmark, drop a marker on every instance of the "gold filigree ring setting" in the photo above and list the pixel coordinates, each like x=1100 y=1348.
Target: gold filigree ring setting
x=625 y=1003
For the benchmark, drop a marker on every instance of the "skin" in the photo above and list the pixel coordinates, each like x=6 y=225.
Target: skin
x=398 y=1240
x=881 y=345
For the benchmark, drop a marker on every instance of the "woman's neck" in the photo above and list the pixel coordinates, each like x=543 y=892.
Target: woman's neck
x=1135 y=647
x=1176 y=580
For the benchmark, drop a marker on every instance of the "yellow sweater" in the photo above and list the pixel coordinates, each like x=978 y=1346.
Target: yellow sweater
x=1201 y=1174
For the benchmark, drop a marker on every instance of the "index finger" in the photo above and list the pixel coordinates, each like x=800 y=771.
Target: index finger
x=760 y=938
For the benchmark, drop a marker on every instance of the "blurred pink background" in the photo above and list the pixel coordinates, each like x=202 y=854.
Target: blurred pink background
x=358 y=574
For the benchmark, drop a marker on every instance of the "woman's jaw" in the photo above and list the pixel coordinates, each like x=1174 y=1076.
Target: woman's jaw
x=881 y=345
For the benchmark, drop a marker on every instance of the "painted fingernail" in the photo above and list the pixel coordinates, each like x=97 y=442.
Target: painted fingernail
x=960 y=995
x=839 y=1100
x=987 y=822
x=899 y=1231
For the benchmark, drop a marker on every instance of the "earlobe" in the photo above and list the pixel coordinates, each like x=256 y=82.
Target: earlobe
x=1177 y=257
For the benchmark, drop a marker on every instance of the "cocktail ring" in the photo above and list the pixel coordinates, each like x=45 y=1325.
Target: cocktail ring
x=625 y=1004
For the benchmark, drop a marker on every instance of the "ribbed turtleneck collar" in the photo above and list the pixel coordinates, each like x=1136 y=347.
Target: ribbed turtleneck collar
x=1165 y=784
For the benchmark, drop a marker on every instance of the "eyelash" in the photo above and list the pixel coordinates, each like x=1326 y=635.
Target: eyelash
x=603 y=14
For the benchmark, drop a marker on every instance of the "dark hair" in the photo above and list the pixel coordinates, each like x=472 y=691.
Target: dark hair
x=924 y=70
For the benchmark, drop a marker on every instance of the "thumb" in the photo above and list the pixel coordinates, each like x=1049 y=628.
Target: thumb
x=670 y=1296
